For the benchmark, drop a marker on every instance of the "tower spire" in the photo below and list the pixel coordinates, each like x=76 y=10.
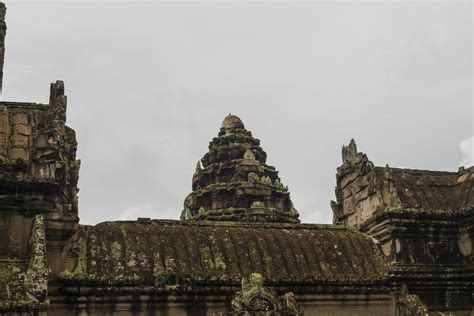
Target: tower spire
x=235 y=183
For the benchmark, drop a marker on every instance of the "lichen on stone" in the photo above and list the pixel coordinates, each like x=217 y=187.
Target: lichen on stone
x=411 y=305
x=36 y=276
x=249 y=155
x=256 y=298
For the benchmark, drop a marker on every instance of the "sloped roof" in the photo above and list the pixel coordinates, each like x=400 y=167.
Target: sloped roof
x=434 y=190
x=226 y=252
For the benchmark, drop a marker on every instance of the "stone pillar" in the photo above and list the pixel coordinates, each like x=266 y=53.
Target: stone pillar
x=3 y=32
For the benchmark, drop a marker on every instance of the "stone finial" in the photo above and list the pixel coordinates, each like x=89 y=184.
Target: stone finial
x=56 y=90
x=198 y=167
x=232 y=121
x=187 y=214
x=349 y=152
x=388 y=173
x=351 y=159
x=58 y=101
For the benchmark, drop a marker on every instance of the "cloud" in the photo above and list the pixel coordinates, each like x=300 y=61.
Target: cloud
x=305 y=79
x=467 y=149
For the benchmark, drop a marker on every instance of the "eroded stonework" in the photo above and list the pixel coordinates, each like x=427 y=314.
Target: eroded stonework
x=256 y=298
x=423 y=221
x=234 y=182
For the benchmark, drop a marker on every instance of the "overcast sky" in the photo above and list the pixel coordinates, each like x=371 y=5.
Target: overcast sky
x=149 y=84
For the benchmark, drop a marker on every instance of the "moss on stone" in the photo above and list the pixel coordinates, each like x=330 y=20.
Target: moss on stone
x=25 y=284
x=36 y=276
x=137 y=252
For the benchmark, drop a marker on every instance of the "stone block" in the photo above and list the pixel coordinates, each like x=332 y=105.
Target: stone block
x=18 y=153
x=23 y=129
x=18 y=140
x=4 y=124
x=3 y=142
x=19 y=118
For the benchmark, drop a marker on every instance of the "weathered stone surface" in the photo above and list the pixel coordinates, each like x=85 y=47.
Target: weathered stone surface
x=224 y=251
x=38 y=179
x=363 y=189
x=411 y=305
x=422 y=219
x=256 y=298
x=235 y=183
x=36 y=275
x=24 y=286
x=37 y=135
x=197 y=267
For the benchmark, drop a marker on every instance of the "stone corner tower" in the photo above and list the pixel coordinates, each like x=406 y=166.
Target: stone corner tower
x=232 y=182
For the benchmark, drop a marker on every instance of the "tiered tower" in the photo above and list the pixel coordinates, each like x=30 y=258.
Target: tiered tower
x=234 y=182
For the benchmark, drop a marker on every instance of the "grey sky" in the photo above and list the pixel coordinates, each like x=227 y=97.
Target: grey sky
x=148 y=85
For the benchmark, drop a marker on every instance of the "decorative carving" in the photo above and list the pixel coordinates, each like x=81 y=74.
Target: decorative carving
x=257 y=204
x=352 y=159
x=410 y=304
x=249 y=155
x=253 y=177
x=36 y=276
x=254 y=297
x=352 y=162
x=187 y=214
x=234 y=175
x=290 y=305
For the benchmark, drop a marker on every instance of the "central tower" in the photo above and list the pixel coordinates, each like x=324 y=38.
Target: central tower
x=234 y=183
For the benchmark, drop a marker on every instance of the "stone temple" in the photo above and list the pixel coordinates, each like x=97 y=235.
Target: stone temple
x=401 y=242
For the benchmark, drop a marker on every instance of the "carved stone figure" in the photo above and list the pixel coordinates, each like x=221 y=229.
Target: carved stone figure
x=254 y=297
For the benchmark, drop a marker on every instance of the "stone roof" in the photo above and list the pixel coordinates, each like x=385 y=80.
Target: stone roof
x=234 y=182
x=154 y=250
x=361 y=185
x=433 y=190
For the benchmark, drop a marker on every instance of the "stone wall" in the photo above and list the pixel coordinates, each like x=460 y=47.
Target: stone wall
x=422 y=221
x=38 y=174
x=361 y=190
x=216 y=304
